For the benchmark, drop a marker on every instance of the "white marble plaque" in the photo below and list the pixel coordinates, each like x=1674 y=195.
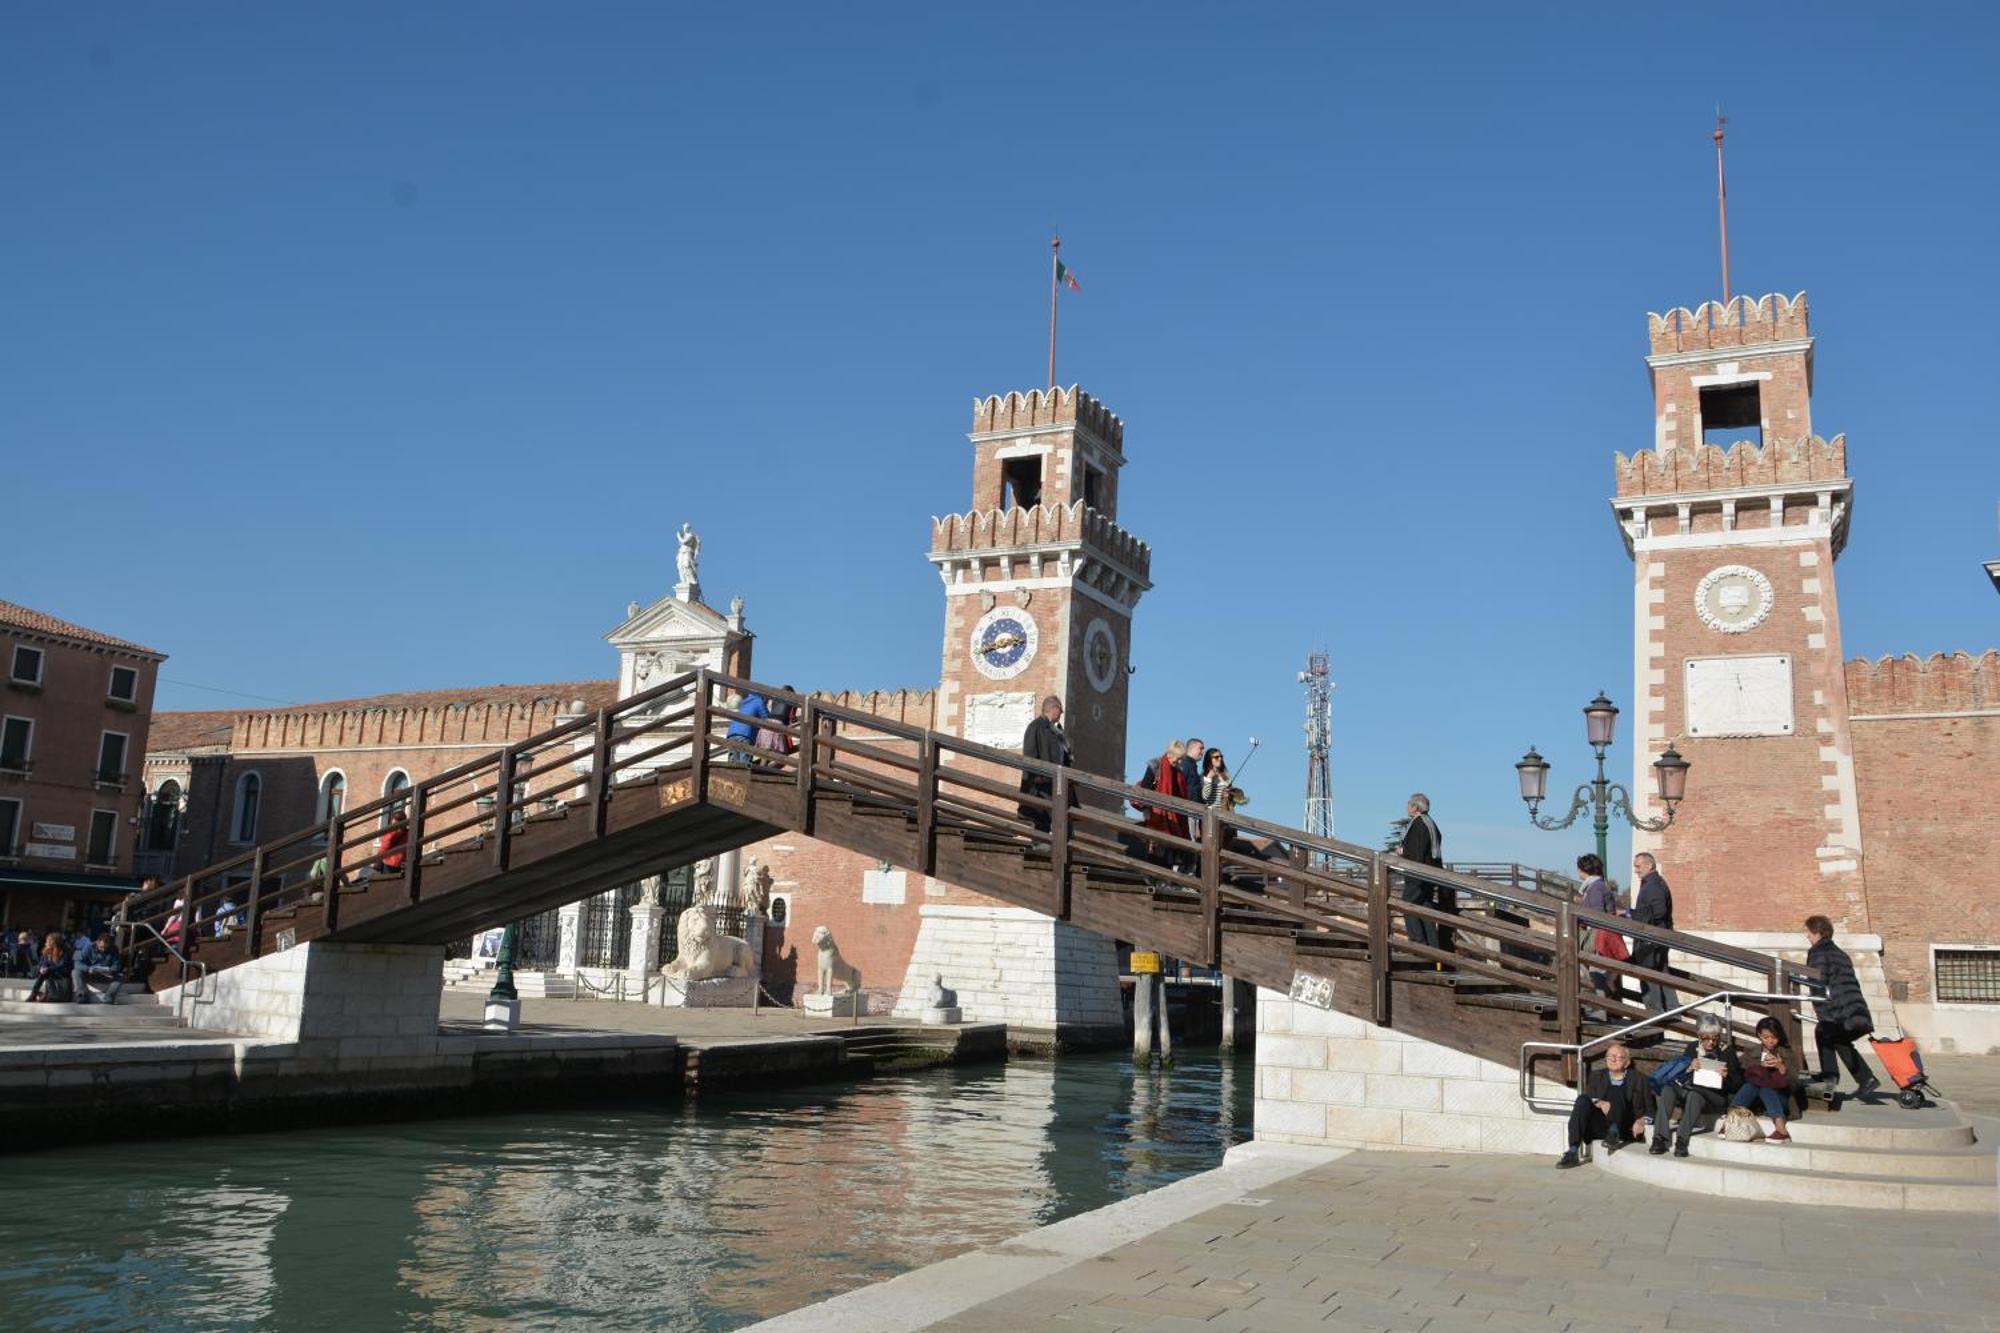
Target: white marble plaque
x=51 y=851
x=55 y=832
x=1739 y=696
x=888 y=887
x=1000 y=720
x=1312 y=990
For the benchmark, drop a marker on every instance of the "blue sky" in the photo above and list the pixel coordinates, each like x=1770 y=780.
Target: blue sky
x=384 y=347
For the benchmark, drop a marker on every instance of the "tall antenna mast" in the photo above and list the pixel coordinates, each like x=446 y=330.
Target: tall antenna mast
x=1722 y=200
x=1318 y=680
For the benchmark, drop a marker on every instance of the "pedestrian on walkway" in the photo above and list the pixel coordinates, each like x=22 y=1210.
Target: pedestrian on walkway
x=1601 y=941
x=1653 y=905
x=1194 y=766
x=1046 y=741
x=1423 y=842
x=1611 y=1106
x=1843 y=1012
x=741 y=738
x=1214 y=788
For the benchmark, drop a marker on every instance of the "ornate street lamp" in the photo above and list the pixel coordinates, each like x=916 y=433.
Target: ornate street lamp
x=1601 y=796
x=503 y=1002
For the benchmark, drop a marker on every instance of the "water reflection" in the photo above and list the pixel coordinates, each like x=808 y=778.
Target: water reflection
x=698 y=1216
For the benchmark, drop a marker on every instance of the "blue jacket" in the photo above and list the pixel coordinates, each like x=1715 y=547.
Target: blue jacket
x=752 y=706
x=102 y=960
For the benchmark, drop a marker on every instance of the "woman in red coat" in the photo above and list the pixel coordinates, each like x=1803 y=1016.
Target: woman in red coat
x=1164 y=776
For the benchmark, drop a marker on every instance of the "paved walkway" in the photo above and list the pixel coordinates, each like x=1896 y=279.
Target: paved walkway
x=1397 y=1241
x=463 y=1010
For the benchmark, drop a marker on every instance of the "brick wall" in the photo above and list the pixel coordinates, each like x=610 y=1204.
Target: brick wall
x=1927 y=759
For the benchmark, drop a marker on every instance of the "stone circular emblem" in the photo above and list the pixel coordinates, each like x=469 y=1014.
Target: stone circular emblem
x=1733 y=598
x=1100 y=655
x=1004 y=642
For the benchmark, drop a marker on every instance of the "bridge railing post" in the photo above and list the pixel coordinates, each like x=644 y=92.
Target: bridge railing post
x=698 y=738
x=1059 y=863
x=1211 y=888
x=1378 y=938
x=503 y=814
x=600 y=770
x=1569 y=1012
x=808 y=756
x=927 y=794
x=250 y=903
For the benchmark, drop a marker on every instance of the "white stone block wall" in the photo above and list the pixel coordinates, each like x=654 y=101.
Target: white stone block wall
x=1011 y=965
x=339 y=1001
x=1327 y=1080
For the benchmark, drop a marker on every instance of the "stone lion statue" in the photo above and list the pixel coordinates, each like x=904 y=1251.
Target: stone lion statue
x=832 y=967
x=705 y=955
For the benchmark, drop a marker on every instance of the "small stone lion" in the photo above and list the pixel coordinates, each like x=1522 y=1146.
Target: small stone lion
x=705 y=955
x=832 y=967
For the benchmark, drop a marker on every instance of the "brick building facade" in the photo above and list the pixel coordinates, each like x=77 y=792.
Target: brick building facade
x=1860 y=790
x=75 y=716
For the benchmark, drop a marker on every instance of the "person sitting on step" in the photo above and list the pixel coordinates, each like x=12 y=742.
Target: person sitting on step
x=1767 y=1080
x=102 y=963
x=52 y=971
x=1611 y=1106
x=1699 y=1085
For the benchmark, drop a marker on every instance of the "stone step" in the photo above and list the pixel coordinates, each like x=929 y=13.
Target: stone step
x=1860 y=1125
x=1775 y=1184
x=20 y=1011
x=1974 y=1161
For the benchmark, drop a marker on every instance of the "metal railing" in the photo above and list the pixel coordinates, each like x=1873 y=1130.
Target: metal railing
x=1661 y=1021
x=184 y=994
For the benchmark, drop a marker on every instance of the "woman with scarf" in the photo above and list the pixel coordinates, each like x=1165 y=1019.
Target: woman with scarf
x=1164 y=775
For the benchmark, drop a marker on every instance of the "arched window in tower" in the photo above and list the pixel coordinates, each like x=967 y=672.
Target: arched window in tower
x=249 y=798
x=163 y=818
x=395 y=784
x=332 y=796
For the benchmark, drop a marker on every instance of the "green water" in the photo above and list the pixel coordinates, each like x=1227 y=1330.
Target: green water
x=705 y=1215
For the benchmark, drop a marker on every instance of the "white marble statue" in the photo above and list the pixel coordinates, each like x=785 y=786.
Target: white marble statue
x=705 y=955
x=688 y=559
x=942 y=996
x=832 y=967
x=756 y=889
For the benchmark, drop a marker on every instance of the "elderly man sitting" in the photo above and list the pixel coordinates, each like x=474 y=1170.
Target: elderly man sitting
x=1611 y=1106
x=1698 y=1084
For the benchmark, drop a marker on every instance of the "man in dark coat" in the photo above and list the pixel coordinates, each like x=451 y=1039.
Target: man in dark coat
x=1843 y=1013
x=1652 y=906
x=1424 y=844
x=1612 y=1105
x=1045 y=741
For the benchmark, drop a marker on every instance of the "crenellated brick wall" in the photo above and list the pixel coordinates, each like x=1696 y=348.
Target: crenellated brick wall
x=1709 y=467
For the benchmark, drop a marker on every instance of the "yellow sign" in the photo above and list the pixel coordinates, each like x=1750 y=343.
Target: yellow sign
x=728 y=789
x=676 y=793
x=1145 y=964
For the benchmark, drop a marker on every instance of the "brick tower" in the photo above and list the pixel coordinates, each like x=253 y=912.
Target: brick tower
x=1040 y=583
x=1734 y=520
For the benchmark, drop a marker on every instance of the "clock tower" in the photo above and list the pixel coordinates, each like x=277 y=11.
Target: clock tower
x=1039 y=579
x=1040 y=583
x=1734 y=520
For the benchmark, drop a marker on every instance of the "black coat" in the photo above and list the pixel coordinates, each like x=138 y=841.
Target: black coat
x=1654 y=906
x=1844 y=1006
x=1417 y=845
x=1725 y=1051
x=1045 y=741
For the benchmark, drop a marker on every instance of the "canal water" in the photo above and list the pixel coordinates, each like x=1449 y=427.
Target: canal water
x=698 y=1216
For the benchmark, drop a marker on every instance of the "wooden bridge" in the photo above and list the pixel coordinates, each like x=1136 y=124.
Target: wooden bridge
x=655 y=781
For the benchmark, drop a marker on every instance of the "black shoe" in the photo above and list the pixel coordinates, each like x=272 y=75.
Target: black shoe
x=1659 y=1146
x=1681 y=1148
x=1568 y=1160
x=1869 y=1087
x=1612 y=1143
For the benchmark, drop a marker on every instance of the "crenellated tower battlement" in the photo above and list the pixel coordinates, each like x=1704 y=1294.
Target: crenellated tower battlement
x=1940 y=683
x=1047 y=409
x=1742 y=322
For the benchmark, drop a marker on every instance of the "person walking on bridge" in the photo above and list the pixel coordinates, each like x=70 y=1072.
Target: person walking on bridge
x=1652 y=906
x=1045 y=741
x=1843 y=1012
x=1194 y=765
x=1423 y=842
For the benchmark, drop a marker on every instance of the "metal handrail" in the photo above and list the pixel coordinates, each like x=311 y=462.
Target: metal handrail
x=1659 y=1020
x=182 y=994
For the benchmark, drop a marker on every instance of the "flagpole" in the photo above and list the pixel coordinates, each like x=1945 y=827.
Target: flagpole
x=1722 y=201
x=1055 y=262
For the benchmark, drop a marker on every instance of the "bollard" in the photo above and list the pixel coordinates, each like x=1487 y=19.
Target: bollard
x=1166 y=1024
x=1228 y=1012
x=1142 y=1018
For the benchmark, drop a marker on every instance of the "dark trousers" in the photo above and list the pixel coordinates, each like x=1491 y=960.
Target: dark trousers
x=1654 y=994
x=1834 y=1043
x=1586 y=1121
x=1695 y=1104
x=1422 y=930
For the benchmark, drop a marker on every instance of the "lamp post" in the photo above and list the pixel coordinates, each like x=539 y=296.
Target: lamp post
x=503 y=1002
x=1601 y=796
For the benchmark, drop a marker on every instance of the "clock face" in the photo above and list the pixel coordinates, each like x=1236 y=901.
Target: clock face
x=1733 y=598
x=1004 y=642
x=1100 y=655
x=1739 y=696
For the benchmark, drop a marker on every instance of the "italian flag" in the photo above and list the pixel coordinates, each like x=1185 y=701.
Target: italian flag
x=1066 y=276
